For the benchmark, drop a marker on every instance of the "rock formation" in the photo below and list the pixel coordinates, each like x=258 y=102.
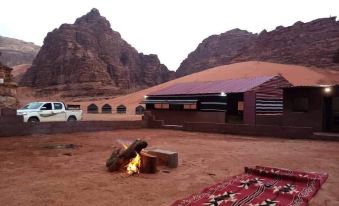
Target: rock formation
x=7 y=88
x=16 y=52
x=215 y=50
x=315 y=43
x=88 y=58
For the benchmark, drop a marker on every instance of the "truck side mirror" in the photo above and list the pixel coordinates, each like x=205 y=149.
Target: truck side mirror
x=43 y=108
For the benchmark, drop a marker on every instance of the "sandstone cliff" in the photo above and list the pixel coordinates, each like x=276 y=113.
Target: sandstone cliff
x=16 y=52
x=215 y=50
x=315 y=43
x=7 y=88
x=88 y=58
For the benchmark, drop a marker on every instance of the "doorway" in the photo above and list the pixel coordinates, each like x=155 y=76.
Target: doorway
x=331 y=114
x=235 y=108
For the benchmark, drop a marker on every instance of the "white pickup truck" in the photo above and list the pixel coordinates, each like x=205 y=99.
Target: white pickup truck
x=48 y=112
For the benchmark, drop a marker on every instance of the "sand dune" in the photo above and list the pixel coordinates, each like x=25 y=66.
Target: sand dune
x=297 y=75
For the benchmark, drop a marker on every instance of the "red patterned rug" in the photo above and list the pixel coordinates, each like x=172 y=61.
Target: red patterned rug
x=260 y=186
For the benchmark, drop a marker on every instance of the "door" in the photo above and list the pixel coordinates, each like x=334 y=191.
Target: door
x=331 y=114
x=335 y=115
x=235 y=108
x=46 y=113
x=59 y=112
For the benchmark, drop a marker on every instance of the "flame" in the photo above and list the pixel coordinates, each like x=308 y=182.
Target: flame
x=134 y=164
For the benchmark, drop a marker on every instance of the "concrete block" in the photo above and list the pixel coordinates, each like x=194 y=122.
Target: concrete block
x=166 y=157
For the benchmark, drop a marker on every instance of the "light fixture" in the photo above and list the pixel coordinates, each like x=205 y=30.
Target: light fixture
x=145 y=97
x=223 y=94
x=327 y=89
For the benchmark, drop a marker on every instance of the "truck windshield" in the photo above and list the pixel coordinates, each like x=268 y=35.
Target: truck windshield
x=33 y=105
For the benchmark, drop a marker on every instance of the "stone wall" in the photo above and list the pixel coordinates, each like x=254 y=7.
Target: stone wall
x=240 y=129
x=7 y=88
x=12 y=126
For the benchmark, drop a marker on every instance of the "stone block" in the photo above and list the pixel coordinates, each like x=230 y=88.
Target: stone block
x=166 y=157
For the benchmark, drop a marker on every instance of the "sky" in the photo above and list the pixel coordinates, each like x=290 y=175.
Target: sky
x=169 y=28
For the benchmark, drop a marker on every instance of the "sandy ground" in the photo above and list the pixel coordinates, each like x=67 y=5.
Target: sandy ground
x=33 y=175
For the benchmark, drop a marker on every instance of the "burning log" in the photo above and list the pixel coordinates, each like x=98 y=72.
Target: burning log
x=120 y=158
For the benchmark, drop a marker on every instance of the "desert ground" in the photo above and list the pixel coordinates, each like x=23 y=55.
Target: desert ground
x=32 y=174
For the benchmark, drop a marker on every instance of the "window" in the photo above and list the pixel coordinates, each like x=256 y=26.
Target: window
x=2 y=81
x=240 y=106
x=176 y=107
x=57 y=106
x=47 y=106
x=157 y=106
x=300 y=104
x=92 y=108
x=190 y=106
x=106 y=109
x=121 y=109
x=161 y=106
x=33 y=105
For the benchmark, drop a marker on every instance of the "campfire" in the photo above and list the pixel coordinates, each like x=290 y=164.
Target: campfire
x=131 y=159
x=134 y=164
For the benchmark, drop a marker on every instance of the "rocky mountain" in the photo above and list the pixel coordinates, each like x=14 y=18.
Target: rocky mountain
x=216 y=50
x=314 y=44
x=88 y=58
x=16 y=52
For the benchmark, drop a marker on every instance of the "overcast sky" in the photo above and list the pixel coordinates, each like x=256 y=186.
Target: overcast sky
x=169 y=28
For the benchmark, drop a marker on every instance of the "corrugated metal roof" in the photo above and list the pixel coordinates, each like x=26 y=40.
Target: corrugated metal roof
x=214 y=87
x=312 y=86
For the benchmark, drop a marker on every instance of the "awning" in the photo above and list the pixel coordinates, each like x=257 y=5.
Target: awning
x=172 y=101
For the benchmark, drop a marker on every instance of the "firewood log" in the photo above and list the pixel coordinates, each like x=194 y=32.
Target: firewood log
x=119 y=157
x=148 y=163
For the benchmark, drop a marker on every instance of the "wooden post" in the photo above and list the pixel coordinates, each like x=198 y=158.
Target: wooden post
x=148 y=163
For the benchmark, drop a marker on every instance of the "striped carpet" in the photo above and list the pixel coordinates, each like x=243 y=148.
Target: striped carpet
x=260 y=186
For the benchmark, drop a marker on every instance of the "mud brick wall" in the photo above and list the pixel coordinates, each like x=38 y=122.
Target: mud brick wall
x=264 y=127
x=148 y=120
x=16 y=127
x=255 y=130
x=269 y=119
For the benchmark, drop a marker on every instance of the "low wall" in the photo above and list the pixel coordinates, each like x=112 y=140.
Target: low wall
x=266 y=126
x=269 y=119
x=20 y=128
x=255 y=130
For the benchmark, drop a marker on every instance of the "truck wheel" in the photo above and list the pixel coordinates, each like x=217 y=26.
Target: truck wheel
x=33 y=119
x=71 y=119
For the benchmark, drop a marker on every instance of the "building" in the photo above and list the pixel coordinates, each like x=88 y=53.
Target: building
x=312 y=106
x=243 y=101
x=7 y=88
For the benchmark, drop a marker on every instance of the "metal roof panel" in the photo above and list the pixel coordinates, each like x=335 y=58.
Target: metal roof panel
x=213 y=87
